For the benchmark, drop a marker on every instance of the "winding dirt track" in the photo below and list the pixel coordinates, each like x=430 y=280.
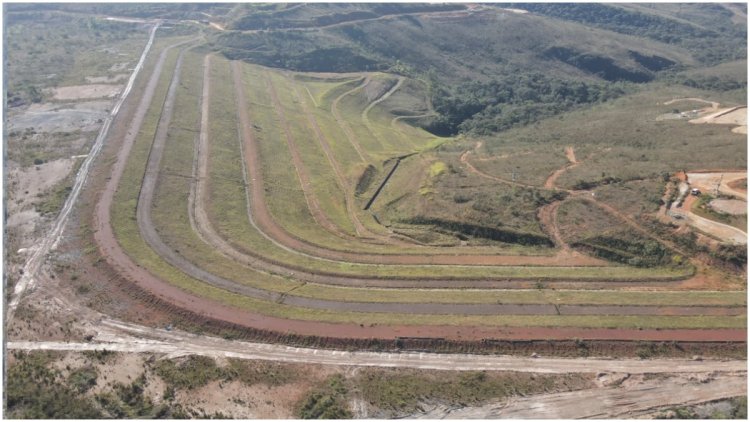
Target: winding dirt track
x=299 y=166
x=581 y=194
x=548 y=219
x=570 y=153
x=382 y=98
x=359 y=228
x=261 y=216
x=208 y=234
x=116 y=257
x=345 y=126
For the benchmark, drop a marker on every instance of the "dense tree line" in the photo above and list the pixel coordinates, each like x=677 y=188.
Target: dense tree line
x=516 y=98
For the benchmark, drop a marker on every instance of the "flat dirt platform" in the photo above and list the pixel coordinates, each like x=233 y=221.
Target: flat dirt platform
x=729 y=206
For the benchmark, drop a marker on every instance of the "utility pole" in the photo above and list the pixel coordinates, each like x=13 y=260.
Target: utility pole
x=718 y=185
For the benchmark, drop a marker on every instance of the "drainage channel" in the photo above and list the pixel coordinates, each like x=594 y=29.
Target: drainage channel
x=385 y=180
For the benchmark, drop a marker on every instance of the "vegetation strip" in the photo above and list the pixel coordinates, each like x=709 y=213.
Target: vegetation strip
x=153 y=239
x=291 y=244
x=154 y=159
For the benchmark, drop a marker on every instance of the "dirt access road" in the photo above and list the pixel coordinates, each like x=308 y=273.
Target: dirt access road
x=49 y=242
x=571 y=155
x=213 y=310
x=708 y=181
x=202 y=225
x=271 y=229
x=123 y=337
x=633 y=396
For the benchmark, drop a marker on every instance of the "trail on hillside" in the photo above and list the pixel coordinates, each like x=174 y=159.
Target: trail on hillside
x=345 y=126
x=303 y=175
x=571 y=156
x=49 y=242
x=261 y=215
x=582 y=194
x=360 y=229
x=714 y=105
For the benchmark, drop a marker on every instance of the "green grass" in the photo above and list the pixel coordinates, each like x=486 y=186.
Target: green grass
x=322 y=179
x=399 y=390
x=127 y=232
x=702 y=209
x=538 y=296
x=197 y=371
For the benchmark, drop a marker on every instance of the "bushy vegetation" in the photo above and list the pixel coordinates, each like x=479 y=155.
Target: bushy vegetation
x=737 y=409
x=473 y=230
x=197 y=371
x=635 y=252
x=129 y=401
x=328 y=401
x=402 y=391
x=482 y=108
x=33 y=391
x=46 y=48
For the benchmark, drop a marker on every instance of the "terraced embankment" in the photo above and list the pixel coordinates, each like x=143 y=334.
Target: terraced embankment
x=176 y=239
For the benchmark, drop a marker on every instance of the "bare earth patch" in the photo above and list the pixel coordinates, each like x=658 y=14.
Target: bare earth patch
x=23 y=222
x=707 y=182
x=35 y=180
x=51 y=117
x=729 y=206
x=78 y=92
x=107 y=79
x=241 y=401
x=728 y=116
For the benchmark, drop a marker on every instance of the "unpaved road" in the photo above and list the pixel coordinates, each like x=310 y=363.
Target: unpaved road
x=571 y=156
x=119 y=336
x=714 y=105
x=35 y=261
x=202 y=224
x=203 y=227
x=721 y=231
x=350 y=136
x=637 y=398
x=270 y=229
x=359 y=228
x=736 y=116
x=382 y=98
x=210 y=309
x=708 y=181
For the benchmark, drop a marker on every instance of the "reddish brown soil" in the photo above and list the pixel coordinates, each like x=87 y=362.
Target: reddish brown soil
x=262 y=216
x=299 y=166
x=739 y=185
x=548 y=219
x=571 y=155
x=360 y=229
x=182 y=303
